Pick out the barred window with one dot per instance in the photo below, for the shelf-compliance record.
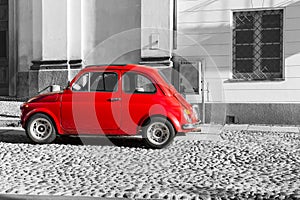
(258, 45)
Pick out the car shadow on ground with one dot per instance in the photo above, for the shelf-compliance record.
(19, 136)
(101, 141)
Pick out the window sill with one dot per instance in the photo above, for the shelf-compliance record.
(253, 80)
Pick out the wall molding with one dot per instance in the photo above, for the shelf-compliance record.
(56, 64)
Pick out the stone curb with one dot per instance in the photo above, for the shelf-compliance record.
(9, 122)
(216, 129)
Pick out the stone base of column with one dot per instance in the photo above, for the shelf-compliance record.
(45, 73)
(157, 62)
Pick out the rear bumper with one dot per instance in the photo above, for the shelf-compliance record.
(192, 127)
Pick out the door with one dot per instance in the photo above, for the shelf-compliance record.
(4, 47)
(139, 99)
(93, 104)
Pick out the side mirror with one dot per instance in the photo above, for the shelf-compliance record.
(68, 85)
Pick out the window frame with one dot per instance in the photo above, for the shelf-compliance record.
(267, 76)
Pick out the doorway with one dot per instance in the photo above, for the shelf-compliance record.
(4, 55)
(188, 79)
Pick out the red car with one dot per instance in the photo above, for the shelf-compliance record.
(111, 100)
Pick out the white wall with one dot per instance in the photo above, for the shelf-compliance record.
(207, 24)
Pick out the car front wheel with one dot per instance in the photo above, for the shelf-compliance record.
(40, 129)
(158, 133)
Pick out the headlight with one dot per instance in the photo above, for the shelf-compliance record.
(24, 105)
(186, 114)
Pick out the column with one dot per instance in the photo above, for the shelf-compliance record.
(56, 43)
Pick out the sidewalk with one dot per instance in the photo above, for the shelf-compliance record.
(9, 121)
(216, 128)
(211, 132)
(212, 129)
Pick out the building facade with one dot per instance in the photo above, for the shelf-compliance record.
(237, 60)
(252, 48)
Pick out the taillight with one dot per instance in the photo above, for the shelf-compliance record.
(187, 114)
(196, 112)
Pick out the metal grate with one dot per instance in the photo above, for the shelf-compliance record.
(258, 44)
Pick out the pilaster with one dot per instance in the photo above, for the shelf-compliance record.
(56, 43)
(156, 29)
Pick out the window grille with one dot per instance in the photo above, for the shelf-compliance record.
(258, 44)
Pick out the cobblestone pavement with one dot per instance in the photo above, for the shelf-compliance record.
(245, 167)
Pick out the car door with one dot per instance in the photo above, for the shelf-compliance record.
(140, 98)
(92, 104)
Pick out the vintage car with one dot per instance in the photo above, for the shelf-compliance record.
(111, 100)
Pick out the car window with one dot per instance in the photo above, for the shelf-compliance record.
(97, 82)
(137, 83)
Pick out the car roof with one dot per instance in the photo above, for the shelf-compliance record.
(128, 67)
(125, 67)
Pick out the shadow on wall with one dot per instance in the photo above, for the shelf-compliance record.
(112, 18)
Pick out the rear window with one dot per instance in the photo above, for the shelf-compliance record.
(137, 83)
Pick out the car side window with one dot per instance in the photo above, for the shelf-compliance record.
(97, 82)
(110, 82)
(137, 83)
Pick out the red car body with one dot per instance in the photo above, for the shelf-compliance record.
(117, 110)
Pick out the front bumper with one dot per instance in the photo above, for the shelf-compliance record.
(192, 127)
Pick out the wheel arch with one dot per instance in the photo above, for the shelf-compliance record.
(174, 122)
(49, 114)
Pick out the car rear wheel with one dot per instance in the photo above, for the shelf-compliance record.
(40, 129)
(158, 133)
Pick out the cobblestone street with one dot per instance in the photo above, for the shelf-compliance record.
(267, 166)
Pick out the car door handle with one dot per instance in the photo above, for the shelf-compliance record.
(114, 99)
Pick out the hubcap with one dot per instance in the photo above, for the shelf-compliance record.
(40, 128)
(158, 133)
